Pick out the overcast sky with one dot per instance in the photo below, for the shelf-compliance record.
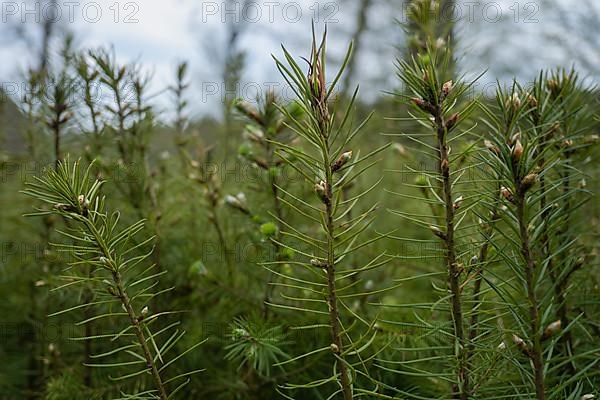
(159, 34)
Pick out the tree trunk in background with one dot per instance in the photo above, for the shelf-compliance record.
(48, 30)
(360, 29)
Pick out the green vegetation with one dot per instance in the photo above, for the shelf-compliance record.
(441, 246)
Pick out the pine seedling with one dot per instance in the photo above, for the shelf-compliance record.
(438, 105)
(59, 111)
(123, 287)
(32, 102)
(523, 157)
(559, 115)
(207, 178)
(114, 77)
(180, 104)
(130, 122)
(328, 164)
(88, 77)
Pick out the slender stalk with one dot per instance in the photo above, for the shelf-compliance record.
(536, 351)
(332, 302)
(121, 293)
(121, 122)
(139, 333)
(57, 152)
(222, 242)
(453, 269)
(476, 294)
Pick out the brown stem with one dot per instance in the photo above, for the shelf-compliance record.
(332, 302)
(121, 293)
(137, 326)
(56, 124)
(476, 294)
(223, 243)
(334, 317)
(453, 269)
(357, 36)
(89, 103)
(536, 351)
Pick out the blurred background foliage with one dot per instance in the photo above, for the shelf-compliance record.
(205, 185)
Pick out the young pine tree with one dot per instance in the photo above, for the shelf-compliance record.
(144, 345)
(320, 283)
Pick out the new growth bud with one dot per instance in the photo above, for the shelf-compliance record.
(248, 110)
(532, 101)
(517, 150)
(451, 122)
(552, 329)
(491, 147)
(521, 345)
(238, 202)
(254, 133)
(507, 194)
(341, 161)
(457, 203)
(438, 232)
(513, 102)
(554, 86)
(423, 105)
(446, 88)
(321, 191)
(445, 166)
(527, 182)
(84, 204)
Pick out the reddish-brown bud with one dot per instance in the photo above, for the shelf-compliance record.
(527, 182)
(422, 104)
(341, 161)
(451, 122)
(445, 166)
(521, 345)
(552, 329)
(517, 150)
(507, 194)
(491, 147)
(446, 88)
